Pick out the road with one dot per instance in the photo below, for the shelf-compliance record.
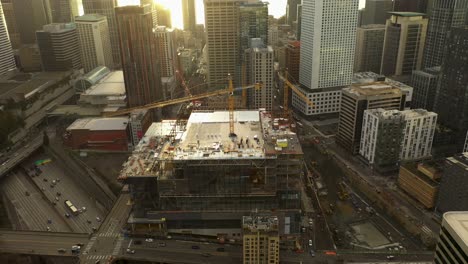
(40, 243)
(18, 155)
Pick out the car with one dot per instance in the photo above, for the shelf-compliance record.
(52, 186)
(137, 242)
(54, 182)
(45, 179)
(83, 209)
(59, 193)
(43, 189)
(80, 244)
(88, 221)
(61, 250)
(310, 242)
(389, 257)
(56, 199)
(67, 215)
(130, 251)
(162, 244)
(54, 203)
(49, 221)
(27, 193)
(97, 262)
(75, 249)
(149, 240)
(312, 253)
(58, 179)
(98, 219)
(48, 229)
(80, 211)
(195, 247)
(206, 255)
(94, 229)
(220, 249)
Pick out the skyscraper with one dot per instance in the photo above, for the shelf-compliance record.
(59, 47)
(452, 91)
(10, 21)
(30, 16)
(222, 39)
(291, 11)
(452, 246)
(93, 33)
(376, 12)
(188, 11)
(106, 8)
(293, 57)
(139, 55)
(419, 6)
(452, 191)
(63, 11)
(405, 35)
(164, 16)
(369, 48)
(445, 14)
(7, 61)
(328, 35)
(167, 50)
(425, 84)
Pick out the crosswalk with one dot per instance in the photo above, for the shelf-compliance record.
(112, 230)
(117, 247)
(89, 245)
(98, 257)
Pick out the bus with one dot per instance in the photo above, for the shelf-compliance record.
(71, 207)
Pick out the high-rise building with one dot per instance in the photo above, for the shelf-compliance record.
(106, 8)
(140, 58)
(452, 191)
(382, 132)
(358, 98)
(291, 11)
(419, 6)
(222, 39)
(164, 16)
(7, 60)
(369, 48)
(260, 237)
(425, 83)
(154, 10)
(253, 23)
(299, 22)
(452, 246)
(451, 101)
(29, 58)
(376, 12)
(188, 11)
(405, 35)
(167, 50)
(391, 136)
(328, 39)
(63, 11)
(93, 32)
(31, 15)
(59, 47)
(260, 59)
(445, 14)
(418, 134)
(10, 21)
(293, 58)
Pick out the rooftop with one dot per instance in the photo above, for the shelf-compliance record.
(260, 223)
(372, 89)
(413, 168)
(458, 221)
(415, 113)
(90, 18)
(407, 14)
(370, 77)
(95, 124)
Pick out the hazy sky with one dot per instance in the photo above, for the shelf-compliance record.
(276, 8)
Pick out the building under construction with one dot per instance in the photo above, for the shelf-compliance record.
(194, 178)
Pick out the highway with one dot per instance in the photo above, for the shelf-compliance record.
(40, 243)
(16, 156)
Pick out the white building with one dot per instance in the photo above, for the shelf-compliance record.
(328, 34)
(261, 60)
(273, 35)
(419, 132)
(165, 38)
(452, 246)
(96, 49)
(7, 61)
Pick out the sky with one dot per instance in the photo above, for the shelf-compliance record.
(277, 8)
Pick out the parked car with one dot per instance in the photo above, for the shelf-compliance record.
(310, 242)
(149, 240)
(130, 251)
(61, 250)
(195, 247)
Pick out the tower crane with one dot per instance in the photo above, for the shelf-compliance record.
(230, 91)
(289, 85)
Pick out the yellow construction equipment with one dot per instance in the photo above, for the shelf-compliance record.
(343, 194)
(289, 85)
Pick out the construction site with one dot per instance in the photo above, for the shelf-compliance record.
(202, 176)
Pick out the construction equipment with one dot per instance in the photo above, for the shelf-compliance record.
(343, 194)
(154, 105)
(289, 85)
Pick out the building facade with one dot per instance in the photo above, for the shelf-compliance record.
(260, 238)
(452, 192)
(167, 50)
(376, 12)
(188, 11)
(7, 60)
(261, 69)
(445, 14)
(31, 15)
(293, 58)
(419, 6)
(452, 246)
(63, 11)
(291, 11)
(106, 8)
(420, 181)
(369, 48)
(10, 20)
(418, 135)
(96, 49)
(451, 101)
(328, 35)
(163, 16)
(425, 83)
(358, 98)
(140, 55)
(405, 35)
(59, 46)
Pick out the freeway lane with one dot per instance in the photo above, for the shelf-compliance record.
(41, 243)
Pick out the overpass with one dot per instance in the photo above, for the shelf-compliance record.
(20, 154)
(39, 243)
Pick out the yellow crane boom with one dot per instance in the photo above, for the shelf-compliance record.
(288, 84)
(181, 100)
